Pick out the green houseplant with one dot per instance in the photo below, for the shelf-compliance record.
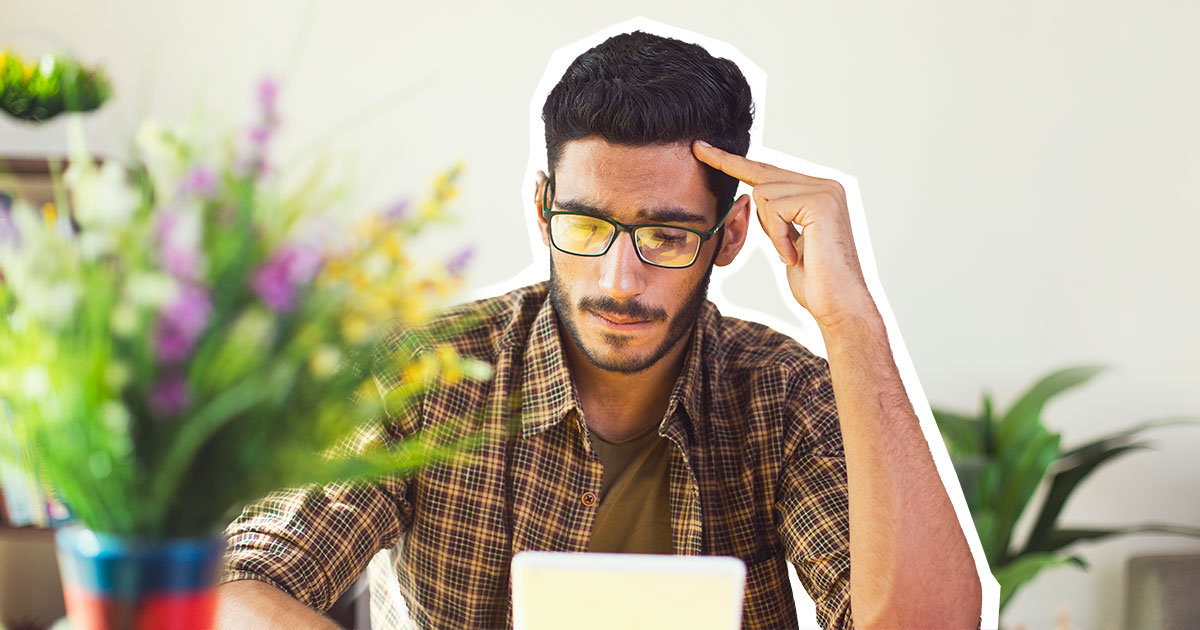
(180, 334)
(1002, 459)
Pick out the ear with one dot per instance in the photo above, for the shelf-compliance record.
(736, 227)
(539, 187)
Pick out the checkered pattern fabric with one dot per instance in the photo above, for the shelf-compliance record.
(758, 472)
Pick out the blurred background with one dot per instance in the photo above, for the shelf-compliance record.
(1028, 171)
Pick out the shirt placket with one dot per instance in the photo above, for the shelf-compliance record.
(589, 484)
(686, 519)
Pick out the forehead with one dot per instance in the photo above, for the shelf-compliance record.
(626, 178)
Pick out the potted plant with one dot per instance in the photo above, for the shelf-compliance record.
(1002, 459)
(180, 335)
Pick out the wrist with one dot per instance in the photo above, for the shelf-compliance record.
(853, 325)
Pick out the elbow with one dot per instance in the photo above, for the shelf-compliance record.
(948, 604)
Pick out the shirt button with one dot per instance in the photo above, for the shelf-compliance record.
(589, 499)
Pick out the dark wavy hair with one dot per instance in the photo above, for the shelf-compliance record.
(638, 89)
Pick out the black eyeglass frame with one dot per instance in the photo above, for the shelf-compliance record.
(548, 215)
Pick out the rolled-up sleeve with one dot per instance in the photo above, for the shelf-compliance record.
(314, 542)
(812, 501)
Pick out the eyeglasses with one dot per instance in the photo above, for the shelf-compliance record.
(669, 246)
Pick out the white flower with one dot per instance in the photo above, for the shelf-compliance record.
(103, 199)
(151, 289)
(324, 360)
(42, 270)
(96, 243)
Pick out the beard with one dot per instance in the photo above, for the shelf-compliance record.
(677, 327)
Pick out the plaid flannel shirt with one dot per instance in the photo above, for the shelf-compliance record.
(758, 472)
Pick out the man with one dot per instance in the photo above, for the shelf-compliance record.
(649, 422)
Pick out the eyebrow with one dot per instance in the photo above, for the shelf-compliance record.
(658, 214)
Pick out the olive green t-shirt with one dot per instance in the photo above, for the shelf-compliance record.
(634, 513)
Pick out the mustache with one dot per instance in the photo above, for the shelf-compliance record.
(634, 310)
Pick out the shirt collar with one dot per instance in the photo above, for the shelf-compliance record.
(699, 367)
(548, 394)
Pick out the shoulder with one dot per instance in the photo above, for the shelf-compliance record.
(746, 347)
(780, 381)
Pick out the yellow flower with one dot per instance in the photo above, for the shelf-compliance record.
(367, 390)
(430, 209)
(355, 328)
(451, 370)
(421, 370)
(374, 305)
(394, 246)
(369, 227)
(49, 213)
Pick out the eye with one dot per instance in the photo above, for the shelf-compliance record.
(657, 238)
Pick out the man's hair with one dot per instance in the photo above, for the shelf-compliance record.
(640, 89)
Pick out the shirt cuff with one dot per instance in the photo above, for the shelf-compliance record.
(280, 561)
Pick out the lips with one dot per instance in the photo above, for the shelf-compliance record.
(618, 322)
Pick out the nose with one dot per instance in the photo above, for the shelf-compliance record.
(621, 270)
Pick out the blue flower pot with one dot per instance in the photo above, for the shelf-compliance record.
(111, 582)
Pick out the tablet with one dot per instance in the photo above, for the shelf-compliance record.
(582, 591)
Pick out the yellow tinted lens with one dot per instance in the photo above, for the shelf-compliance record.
(666, 246)
(580, 234)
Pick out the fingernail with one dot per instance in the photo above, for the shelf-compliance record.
(705, 144)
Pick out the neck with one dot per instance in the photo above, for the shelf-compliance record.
(619, 406)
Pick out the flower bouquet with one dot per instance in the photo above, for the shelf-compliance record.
(180, 335)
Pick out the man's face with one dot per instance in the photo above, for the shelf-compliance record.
(622, 314)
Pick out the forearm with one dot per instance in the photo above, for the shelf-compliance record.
(254, 604)
(910, 563)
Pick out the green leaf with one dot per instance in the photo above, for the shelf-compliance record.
(1075, 466)
(985, 521)
(193, 434)
(1017, 573)
(1021, 473)
(1061, 538)
(962, 435)
(1061, 487)
(1088, 451)
(1020, 421)
(989, 426)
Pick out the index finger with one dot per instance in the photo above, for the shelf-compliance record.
(749, 171)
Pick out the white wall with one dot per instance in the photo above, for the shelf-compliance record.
(1029, 171)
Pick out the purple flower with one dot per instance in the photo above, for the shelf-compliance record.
(458, 263)
(180, 324)
(201, 181)
(276, 281)
(170, 395)
(268, 92)
(259, 134)
(8, 229)
(397, 211)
